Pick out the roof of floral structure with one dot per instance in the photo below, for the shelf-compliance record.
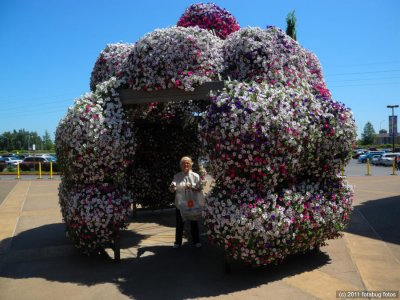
(112, 61)
(211, 17)
(270, 55)
(175, 57)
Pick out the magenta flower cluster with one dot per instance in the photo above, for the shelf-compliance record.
(275, 152)
(110, 63)
(211, 17)
(269, 55)
(94, 214)
(175, 57)
(94, 144)
(262, 227)
(275, 135)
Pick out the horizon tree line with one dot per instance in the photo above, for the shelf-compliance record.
(24, 140)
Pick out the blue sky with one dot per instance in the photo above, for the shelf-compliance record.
(48, 49)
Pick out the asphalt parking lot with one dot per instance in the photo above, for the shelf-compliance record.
(354, 168)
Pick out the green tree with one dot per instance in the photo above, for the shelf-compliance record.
(291, 25)
(20, 140)
(47, 142)
(368, 135)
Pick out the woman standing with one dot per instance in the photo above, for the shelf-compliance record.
(185, 180)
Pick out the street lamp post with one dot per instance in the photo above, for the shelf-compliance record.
(392, 107)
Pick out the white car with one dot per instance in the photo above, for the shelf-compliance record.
(387, 159)
(12, 161)
(375, 159)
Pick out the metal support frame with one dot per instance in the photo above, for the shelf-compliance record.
(202, 92)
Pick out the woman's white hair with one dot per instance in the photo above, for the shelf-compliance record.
(186, 158)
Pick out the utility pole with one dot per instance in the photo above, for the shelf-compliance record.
(392, 107)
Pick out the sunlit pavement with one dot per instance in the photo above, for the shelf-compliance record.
(354, 168)
(38, 262)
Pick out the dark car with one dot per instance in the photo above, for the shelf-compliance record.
(3, 164)
(357, 153)
(32, 163)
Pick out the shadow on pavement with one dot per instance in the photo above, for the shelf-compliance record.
(382, 215)
(157, 272)
(51, 235)
(163, 217)
(168, 273)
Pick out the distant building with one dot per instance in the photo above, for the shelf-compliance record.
(383, 137)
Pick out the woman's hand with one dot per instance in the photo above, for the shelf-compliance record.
(172, 187)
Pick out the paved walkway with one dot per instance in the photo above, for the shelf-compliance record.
(38, 262)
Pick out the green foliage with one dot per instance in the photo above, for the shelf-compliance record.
(10, 169)
(47, 142)
(23, 140)
(291, 25)
(377, 146)
(368, 135)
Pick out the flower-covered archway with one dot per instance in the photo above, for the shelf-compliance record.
(274, 137)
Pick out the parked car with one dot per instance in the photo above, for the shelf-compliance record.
(32, 163)
(3, 164)
(363, 158)
(375, 159)
(51, 158)
(12, 161)
(387, 159)
(9, 155)
(21, 157)
(357, 153)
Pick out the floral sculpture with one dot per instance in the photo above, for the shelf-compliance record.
(211, 17)
(274, 136)
(94, 144)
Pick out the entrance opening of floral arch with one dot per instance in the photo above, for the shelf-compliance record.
(274, 136)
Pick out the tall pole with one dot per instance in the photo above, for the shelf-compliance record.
(392, 107)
